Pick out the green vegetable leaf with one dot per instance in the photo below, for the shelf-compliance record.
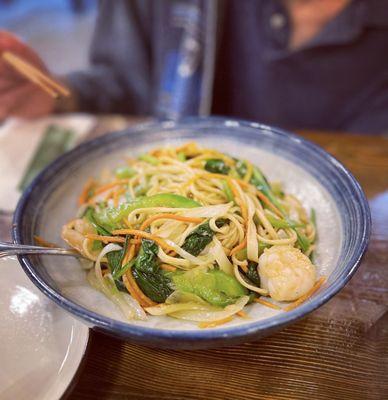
(115, 259)
(313, 217)
(199, 238)
(277, 189)
(227, 191)
(181, 156)
(112, 216)
(217, 166)
(215, 286)
(241, 168)
(154, 282)
(149, 159)
(252, 273)
(260, 182)
(283, 224)
(303, 242)
(120, 285)
(146, 260)
(123, 269)
(96, 245)
(124, 172)
(90, 215)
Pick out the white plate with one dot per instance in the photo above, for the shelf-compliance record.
(41, 346)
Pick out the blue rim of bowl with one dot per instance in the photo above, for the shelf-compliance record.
(251, 328)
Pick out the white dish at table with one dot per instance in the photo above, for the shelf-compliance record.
(41, 346)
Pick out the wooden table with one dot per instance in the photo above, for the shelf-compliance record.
(338, 352)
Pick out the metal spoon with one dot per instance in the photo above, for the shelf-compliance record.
(11, 249)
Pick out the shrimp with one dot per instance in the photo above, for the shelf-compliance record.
(286, 272)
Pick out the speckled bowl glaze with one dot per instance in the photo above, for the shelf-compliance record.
(306, 171)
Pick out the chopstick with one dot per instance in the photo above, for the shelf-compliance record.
(50, 86)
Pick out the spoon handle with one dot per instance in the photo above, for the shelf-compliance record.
(11, 249)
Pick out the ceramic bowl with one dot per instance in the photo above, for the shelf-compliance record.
(307, 171)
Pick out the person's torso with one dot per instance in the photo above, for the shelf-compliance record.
(320, 85)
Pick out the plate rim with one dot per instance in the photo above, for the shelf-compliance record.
(248, 329)
(81, 361)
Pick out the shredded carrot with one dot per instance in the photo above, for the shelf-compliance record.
(150, 220)
(129, 254)
(106, 187)
(106, 239)
(116, 196)
(130, 161)
(42, 242)
(306, 296)
(167, 267)
(266, 303)
(239, 247)
(145, 235)
(244, 268)
(126, 222)
(242, 314)
(145, 299)
(135, 291)
(213, 324)
(248, 175)
(83, 198)
(226, 251)
(110, 239)
(155, 152)
(268, 203)
(109, 195)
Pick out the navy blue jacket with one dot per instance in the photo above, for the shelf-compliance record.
(171, 58)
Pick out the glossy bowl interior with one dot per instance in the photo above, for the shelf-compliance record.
(306, 171)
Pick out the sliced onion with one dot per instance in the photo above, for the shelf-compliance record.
(105, 284)
(151, 210)
(86, 244)
(81, 210)
(184, 297)
(246, 284)
(173, 230)
(208, 211)
(213, 314)
(221, 258)
(164, 309)
(200, 260)
(176, 262)
(107, 249)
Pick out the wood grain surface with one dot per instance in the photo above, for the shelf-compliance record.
(338, 352)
